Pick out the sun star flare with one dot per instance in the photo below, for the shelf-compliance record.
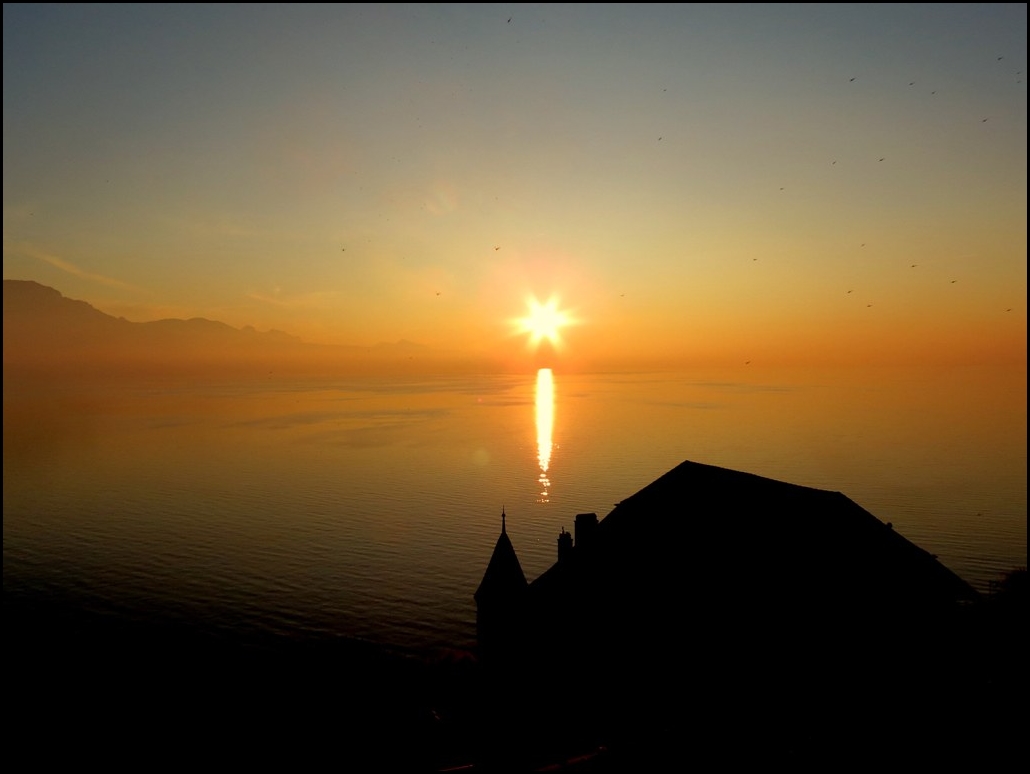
(544, 322)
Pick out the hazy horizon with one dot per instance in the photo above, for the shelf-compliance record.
(657, 184)
(47, 332)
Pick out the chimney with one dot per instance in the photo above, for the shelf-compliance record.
(564, 545)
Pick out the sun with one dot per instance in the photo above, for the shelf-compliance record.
(544, 322)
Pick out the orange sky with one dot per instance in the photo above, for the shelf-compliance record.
(771, 183)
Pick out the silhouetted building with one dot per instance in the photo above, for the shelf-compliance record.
(717, 591)
(500, 601)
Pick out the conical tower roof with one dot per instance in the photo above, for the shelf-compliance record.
(503, 576)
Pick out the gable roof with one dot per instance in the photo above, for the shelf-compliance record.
(701, 529)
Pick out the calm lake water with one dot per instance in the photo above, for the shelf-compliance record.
(369, 508)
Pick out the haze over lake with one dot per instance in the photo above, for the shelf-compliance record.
(368, 507)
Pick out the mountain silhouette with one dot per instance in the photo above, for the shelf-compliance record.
(44, 330)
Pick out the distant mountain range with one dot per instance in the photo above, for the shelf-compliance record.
(45, 330)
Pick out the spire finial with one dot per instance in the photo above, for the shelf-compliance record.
(502, 518)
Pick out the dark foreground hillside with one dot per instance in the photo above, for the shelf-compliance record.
(87, 690)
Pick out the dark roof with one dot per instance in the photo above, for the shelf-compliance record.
(504, 574)
(701, 530)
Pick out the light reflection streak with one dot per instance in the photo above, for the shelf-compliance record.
(544, 428)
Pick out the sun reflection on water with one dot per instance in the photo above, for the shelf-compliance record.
(544, 428)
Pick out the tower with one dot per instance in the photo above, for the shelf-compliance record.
(500, 600)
